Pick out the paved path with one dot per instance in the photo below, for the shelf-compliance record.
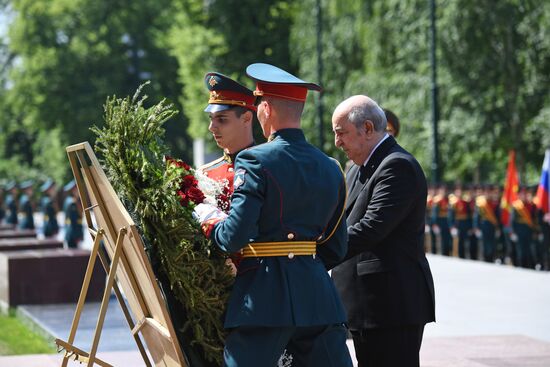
(488, 316)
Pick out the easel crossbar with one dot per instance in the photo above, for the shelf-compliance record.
(78, 354)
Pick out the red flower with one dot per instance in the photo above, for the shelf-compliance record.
(195, 195)
(184, 200)
(188, 190)
(188, 181)
(176, 162)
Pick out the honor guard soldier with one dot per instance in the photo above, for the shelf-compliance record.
(231, 110)
(470, 198)
(11, 203)
(74, 232)
(460, 219)
(26, 207)
(440, 219)
(544, 220)
(430, 234)
(486, 214)
(523, 227)
(48, 207)
(287, 219)
(538, 237)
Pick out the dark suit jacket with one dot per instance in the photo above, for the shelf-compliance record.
(386, 279)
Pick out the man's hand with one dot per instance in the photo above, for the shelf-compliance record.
(230, 263)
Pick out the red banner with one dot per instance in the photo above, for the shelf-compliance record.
(511, 186)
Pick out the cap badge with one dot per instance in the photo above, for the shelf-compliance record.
(212, 81)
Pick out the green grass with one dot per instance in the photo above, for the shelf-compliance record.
(18, 338)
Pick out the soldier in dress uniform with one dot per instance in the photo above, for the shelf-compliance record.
(440, 219)
(470, 197)
(523, 226)
(231, 110)
(460, 219)
(74, 233)
(538, 237)
(287, 219)
(26, 205)
(429, 230)
(11, 203)
(545, 229)
(49, 208)
(486, 220)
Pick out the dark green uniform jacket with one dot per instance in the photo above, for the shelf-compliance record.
(285, 190)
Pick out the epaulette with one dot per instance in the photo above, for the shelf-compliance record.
(518, 204)
(481, 200)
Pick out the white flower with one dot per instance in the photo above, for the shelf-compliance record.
(209, 187)
(285, 360)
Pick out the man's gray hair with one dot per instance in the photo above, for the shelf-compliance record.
(368, 111)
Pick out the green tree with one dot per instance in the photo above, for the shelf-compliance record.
(72, 54)
(497, 55)
(377, 48)
(226, 36)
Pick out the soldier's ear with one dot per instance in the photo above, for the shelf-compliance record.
(248, 116)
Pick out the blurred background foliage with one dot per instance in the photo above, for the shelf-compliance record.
(60, 59)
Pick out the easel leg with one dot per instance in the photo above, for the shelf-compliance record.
(127, 315)
(106, 294)
(83, 292)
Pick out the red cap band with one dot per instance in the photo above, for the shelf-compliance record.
(233, 98)
(286, 91)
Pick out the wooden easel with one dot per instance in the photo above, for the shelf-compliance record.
(126, 265)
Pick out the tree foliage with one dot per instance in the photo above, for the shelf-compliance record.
(70, 55)
(493, 63)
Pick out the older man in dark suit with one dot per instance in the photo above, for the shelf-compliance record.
(385, 282)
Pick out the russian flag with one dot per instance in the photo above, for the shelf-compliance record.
(542, 199)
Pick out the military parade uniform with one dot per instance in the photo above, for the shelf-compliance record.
(431, 234)
(286, 219)
(74, 233)
(460, 217)
(50, 226)
(486, 216)
(523, 225)
(225, 93)
(473, 241)
(11, 205)
(440, 217)
(26, 208)
(544, 220)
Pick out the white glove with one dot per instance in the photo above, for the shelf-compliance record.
(204, 212)
(478, 233)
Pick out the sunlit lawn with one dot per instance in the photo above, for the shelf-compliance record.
(17, 338)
